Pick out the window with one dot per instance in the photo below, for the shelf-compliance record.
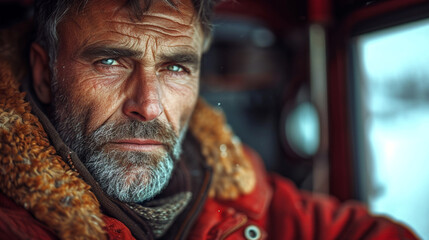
(391, 89)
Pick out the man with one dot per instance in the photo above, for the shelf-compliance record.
(111, 140)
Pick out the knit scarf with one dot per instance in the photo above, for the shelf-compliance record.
(161, 213)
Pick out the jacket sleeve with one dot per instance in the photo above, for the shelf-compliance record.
(280, 211)
(301, 215)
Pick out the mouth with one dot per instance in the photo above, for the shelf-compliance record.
(142, 145)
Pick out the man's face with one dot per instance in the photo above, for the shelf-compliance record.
(124, 90)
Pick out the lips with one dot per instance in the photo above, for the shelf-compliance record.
(136, 144)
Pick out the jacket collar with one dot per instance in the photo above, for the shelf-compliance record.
(35, 176)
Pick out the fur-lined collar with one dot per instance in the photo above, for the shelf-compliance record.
(37, 178)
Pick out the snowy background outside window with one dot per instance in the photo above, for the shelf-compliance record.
(392, 77)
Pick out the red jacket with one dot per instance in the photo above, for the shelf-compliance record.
(275, 209)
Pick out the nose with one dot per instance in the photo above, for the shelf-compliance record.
(143, 102)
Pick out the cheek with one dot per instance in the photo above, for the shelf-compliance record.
(88, 97)
(179, 103)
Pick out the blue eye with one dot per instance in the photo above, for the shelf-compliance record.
(109, 61)
(174, 68)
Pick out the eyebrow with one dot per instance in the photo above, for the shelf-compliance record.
(92, 52)
(188, 58)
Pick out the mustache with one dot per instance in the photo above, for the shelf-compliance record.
(154, 129)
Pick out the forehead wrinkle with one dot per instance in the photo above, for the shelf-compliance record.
(171, 17)
(168, 31)
(136, 37)
(139, 37)
(154, 29)
(192, 25)
(157, 18)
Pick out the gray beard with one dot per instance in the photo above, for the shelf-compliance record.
(130, 176)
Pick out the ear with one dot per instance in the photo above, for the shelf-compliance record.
(39, 61)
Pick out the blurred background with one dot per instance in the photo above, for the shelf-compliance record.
(333, 94)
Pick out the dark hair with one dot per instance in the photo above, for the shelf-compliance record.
(49, 13)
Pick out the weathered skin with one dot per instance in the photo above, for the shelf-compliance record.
(114, 67)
